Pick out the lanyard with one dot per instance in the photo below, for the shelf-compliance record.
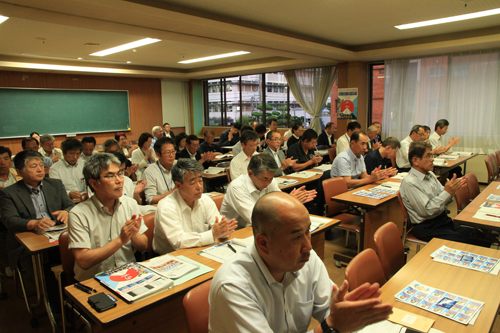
(163, 175)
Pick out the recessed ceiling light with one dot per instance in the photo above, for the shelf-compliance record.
(449, 19)
(225, 55)
(79, 58)
(124, 47)
(3, 18)
(128, 62)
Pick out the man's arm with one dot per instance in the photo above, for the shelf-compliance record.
(420, 202)
(376, 175)
(223, 139)
(151, 189)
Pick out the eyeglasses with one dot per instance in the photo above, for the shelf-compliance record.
(168, 152)
(276, 139)
(114, 176)
(429, 156)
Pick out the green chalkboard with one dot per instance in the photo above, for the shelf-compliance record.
(62, 111)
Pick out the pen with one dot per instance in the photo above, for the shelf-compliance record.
(232, 248)
(385, 186)
(80, 286)
(493, 215)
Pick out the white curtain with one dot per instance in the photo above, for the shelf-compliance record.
(462, 88)
(311, 87)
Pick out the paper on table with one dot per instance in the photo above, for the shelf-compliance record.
(218, 157)
(214, 170)
(285, 181)
(484, 216)
(221, 252)
(305, 174)
(243, 241)
(388, 327)
(461, 153)
(200, 271)
(493, 197)
(439, 162)
(324, 167)
(317, 222)
(400, 175)
(448, 157)
(411, 320)
(322, 152)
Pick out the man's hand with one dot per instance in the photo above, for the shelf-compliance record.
(42, 224)
(55, 158)
(391, 172)
(61, 215)
(453, 184)
(358, 309)
(230, 135)
(376, 145)
(223, 228)
(287, 162)
(285, 138)
(302, 195)
(128, 230)
(453, 141)
(141, 185)
(439, 150)
(316, 159)
(131, 169)
(75, 195)
(377, 174)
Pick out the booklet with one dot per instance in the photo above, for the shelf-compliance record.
(324, 167)
(222, 251)
(372, 195)
(400, 175)
(387, 187)
(214, 170)
(170, 266)
(461, 153)
(493, 197)
(455, 307)
(466, 259)
(285, 181)
(133, 281)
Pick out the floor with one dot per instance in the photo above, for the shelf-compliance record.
(14, 316)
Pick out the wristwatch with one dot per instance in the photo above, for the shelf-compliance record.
(326, 328)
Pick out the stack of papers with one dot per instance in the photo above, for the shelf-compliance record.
(462, 153)
(218, 157)
(400, 175)
(488, 211)
(439, 161)
(214, 170)
(448, 157)
(224, 251)
(387, 187)
(466, 259)
(286, 181)
(455, 307)
(305, 174)
(372, 195)
(324, 167)
(317, 222)
(54, 232)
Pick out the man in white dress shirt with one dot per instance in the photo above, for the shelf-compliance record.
(240, 162)
(159, 174)
(435, 139)
(70, 169)
(105, 230)
(89, 144)
(244, 191)
(47, 148)
(278, 283)
(343, 143)
(187, 218)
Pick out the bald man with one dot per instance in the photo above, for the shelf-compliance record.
(279, 282)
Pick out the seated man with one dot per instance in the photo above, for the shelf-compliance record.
(70, 169)
(383, 156)
(417, 133)
(273, 125)
(273, 150)
(167, 132)
(35, 202)
(303, 151)
(208, 145)
(8, 176)
(243, 192)
(326, 137)
(230, 136)
(379, 127)
(191, 151)
(159, 175)
(350, 164)
(279, 282)
(89, 144)
(130, 189)
(47, 149)
(425, 200)
(436, 142)
(31, 143)
(237, 147)
(157, 132)
(105, 230)
(187, 218)
(343, 141)
(239, 163)
(372, 134)
(427, 131)
(260, 129)
(110, 145)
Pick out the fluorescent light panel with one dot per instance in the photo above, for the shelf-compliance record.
(449, 19)
(225, 55)
(124, 47)
(3, 18)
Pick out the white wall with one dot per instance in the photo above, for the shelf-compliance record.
(175, 103)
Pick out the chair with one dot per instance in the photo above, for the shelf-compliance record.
(390, 249)
(196, 308)
(462, 198)
(228, 174)
(407, 234)
(322, 147)
(218, 200)
(495, 165)
(365, 267)
(333, 153)
(489, 168)
(149, 221)
(472, 185)
(348, 222)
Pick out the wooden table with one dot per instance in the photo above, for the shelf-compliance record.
(466, 216)
(374, 213)
(451, 164)
(165, 309)
(37, 245)
(468, 283)
(311, 182)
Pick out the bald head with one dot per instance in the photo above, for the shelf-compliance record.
(274, 208)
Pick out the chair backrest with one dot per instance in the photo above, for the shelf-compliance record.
(403, 208)
(149, 221)
(67, 258)
(364, 267)
(497, 154)
(331, 188)
(472, 185)
(228, 175)
(322, 147)
(489, 167)
(218, 200)
(333, 153)
(462, 198)
(495, 165)
(390, 249)
(196, 308)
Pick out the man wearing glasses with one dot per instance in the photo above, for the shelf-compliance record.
(273, 149)
(425, 200)
(158, 175)
(70, 169)
(239, 164)
(106, 230)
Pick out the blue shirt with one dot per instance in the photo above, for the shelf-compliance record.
(347, 164)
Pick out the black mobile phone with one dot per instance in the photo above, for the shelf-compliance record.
(100, 302)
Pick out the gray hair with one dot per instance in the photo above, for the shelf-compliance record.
(23, 157)
(185, 165)
(156, 129)
(109, 143)
(372, 128)
(96, 163)
(46, 137)
(261, 163)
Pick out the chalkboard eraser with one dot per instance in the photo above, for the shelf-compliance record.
(70, 135)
